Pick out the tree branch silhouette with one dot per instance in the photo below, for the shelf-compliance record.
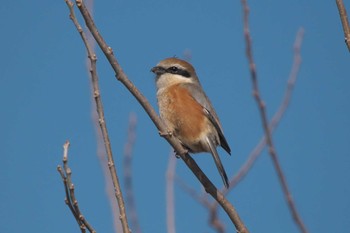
(264, 121)
(277, 116)
(101, 120)
(101, 151)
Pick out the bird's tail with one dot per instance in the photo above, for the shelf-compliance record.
(218, 162)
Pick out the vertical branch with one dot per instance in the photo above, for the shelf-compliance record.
(130, 200)
(277, 116)
(170, 200)
(102, 122)
(344, 21)
(101, 151)
(263, 115)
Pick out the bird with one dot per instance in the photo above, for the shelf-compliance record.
(187, 112)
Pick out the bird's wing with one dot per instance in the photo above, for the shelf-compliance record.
(209, 111)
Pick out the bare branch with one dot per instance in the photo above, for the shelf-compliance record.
(344, 21)
(276, 118)
(70, 199)
(130, 200)
(209, 186)
(263, 115)
(102, 122)
(101, 151)
(170, 200)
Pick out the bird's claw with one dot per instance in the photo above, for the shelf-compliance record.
(165, 134)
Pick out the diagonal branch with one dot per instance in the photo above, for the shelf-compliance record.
(263, 115)
(344, 21)
(209, 186)
(102, 122)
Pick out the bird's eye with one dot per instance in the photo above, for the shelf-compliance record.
(173, 69)
(179, 71)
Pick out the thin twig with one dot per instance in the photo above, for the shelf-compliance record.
(277, 116)
(263, 115)
(130, 200)
(102, 122)
(70, 199)
(209, 186)
(101, 151)
(170, 200)
(344, 21)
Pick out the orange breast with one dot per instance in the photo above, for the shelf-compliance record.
(183, 115)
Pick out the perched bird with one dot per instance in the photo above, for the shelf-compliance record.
(187, 111)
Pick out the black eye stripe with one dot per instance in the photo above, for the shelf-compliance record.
(179, 71)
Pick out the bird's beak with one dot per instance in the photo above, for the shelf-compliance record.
(158, 70)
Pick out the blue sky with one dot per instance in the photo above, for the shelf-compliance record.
(45, 98)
